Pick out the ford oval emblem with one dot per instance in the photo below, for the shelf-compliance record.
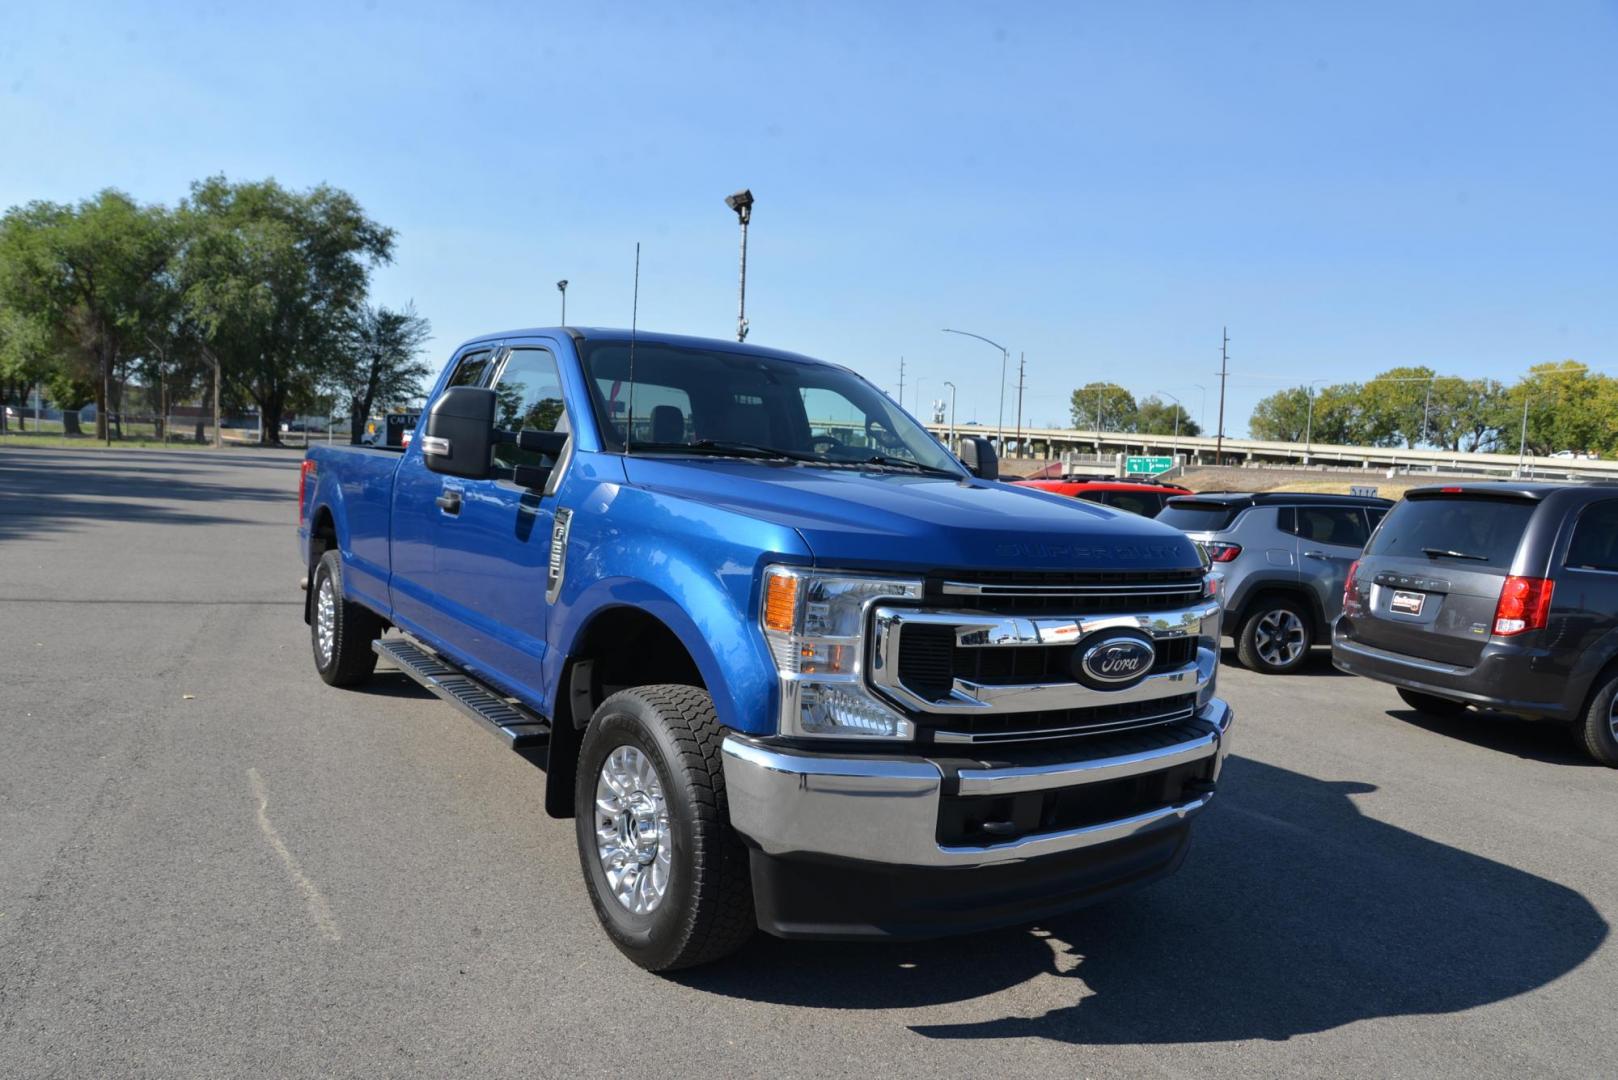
(1125, 658)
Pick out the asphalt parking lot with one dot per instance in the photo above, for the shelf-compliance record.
(213, 864)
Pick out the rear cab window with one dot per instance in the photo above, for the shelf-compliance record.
(1471, 529)
(1194, 516)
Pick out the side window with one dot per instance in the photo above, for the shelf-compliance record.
(1595, 538)
(527, 396)
(1130, 501)
(471, 369)
(1286, 520)
(1093, 496)
(1343, 526)
(1374, 515)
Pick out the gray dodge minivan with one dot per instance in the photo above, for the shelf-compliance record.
(1502, 595)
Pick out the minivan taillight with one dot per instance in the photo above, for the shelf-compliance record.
(1221, 552)
(304, 474)
(1351, 590)
(1525, 604)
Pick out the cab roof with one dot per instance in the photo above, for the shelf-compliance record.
(581, 334)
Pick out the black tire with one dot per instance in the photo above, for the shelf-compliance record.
(349, 660)
(706, 908)
(1431, 704)
(1597, 732)
(1276, 637)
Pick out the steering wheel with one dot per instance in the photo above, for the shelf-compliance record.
(829, 442)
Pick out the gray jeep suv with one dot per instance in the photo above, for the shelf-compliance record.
(1280, 561)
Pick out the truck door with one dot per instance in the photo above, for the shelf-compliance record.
(1330, 538)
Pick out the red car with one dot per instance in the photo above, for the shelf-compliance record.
(1143, 497)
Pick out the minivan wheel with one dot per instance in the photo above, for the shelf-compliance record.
(1431, 704)
(1599, 731)
(1275, 639)
(668, 877)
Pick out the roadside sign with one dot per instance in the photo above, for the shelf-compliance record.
(1363, 489)
(398, 424)
(1149, 465)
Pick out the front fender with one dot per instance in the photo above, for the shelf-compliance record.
(693, 566)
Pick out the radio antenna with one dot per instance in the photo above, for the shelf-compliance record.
(634, 320)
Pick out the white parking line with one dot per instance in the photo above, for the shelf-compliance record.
(319, 910)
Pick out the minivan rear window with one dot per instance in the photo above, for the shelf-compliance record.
(1481, 531)
(1189, 516)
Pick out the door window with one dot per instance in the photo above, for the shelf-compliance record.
(1143, 503)
(1342, 526)
(527, 397)
(1595, 538)
(471, 369)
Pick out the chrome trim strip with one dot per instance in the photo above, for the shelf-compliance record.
(434, 446)
(1109, 727)
(970, 588)
(1044, 777)
(1029, 847)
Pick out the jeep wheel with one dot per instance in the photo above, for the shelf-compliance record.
(1432, 705)
(668, 877)
(1598, 733)
(1275, 639)
(340, 631)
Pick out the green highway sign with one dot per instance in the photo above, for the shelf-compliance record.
(1149, 465)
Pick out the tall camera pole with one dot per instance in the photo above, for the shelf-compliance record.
(742, 203)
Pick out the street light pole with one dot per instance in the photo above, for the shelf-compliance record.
(561, 287)
(1178, 409)
(742, 203)
(1022, 360)
(951, 412)
(1522, 440)
(1005, 357)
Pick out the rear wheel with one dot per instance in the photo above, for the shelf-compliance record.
(1599, 732)
(668, 877)
(1431, 704)
(340, 630)
(1276, 637)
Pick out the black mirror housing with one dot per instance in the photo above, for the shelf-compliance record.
(459, 440)
(979, 457)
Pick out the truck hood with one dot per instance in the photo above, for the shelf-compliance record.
(859, 518)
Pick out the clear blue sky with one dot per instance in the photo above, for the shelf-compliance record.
(1101, 186)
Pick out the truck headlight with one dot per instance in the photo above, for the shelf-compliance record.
(814, 623)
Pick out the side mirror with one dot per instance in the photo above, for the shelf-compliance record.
(459, 439)
(977, 454)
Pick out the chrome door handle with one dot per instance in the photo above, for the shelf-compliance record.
(1316, 555)
(449, 502)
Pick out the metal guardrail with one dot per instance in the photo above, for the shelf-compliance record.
(1250, 450)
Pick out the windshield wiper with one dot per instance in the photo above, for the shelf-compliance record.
(901, 463)
(1445, 553)
(722, 448)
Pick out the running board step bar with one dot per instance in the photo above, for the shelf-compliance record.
(517, 727)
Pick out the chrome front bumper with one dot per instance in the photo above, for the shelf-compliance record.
(886, 809)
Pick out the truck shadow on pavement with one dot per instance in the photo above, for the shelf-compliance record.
(1294, 913)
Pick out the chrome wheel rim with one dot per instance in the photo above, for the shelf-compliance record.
(1612, 718)
(1279, 638)
(632, 830)
(325, 620)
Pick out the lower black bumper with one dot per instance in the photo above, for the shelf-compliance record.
(805, 896)
(1506, 678)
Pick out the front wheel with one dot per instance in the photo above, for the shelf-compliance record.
(667, 876)
(1275, 639)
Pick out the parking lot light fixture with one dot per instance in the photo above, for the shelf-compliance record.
(1005, 357)
(561, 287)
(742, 203)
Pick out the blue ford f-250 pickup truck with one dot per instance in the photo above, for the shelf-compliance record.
(793, 665)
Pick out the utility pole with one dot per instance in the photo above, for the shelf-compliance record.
(1021, 362)
(901, 382)
(1224, 360)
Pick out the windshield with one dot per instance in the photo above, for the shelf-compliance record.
(1197, 516)
(696, 400)
(1472, 530)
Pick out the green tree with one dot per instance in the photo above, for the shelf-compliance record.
(82, 272)
(1104, 406)
(1282, 416)
(1468, 415)
(1336, 415)
(26, 360)
(1394, 406)
(380, 361)
(1567, 408)
(1153, 416)
(275, 279)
